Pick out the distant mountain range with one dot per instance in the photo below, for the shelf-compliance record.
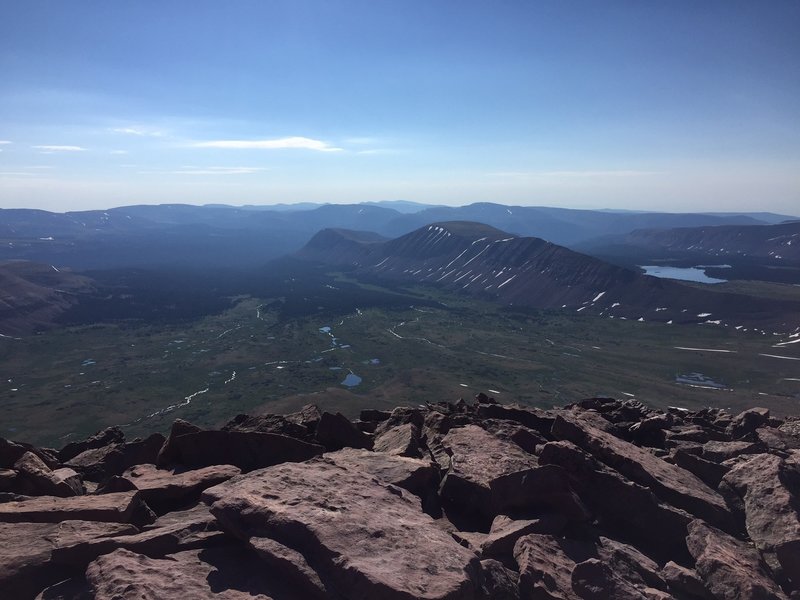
(226, 236)
(759, 252)
(480, 261)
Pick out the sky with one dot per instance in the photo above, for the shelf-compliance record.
(647, 105)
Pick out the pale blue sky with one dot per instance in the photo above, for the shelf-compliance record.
(678, 105)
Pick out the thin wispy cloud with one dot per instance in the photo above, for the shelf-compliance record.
(295, 142)
(589, 174)
(138, 131)
(4, 142)
(208, 171)
(48, 149)
(116, 152)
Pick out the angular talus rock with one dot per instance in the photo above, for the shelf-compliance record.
(194, 447)
(770, 508)
(669, 482)
(477, 459)
(123, 507)
(730, 569)
(367, 537)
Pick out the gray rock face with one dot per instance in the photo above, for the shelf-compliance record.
(367, 537)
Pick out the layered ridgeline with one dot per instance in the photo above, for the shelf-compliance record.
(779, 242)
(602, 499)
(480, 261)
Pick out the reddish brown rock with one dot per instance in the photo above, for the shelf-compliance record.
(721, 451)
(669, 482)
(335, 431)
(230, 573)
(477, 459)
(402, 440)
(193, 447)
(622, 506)
(163, 488)
(106, 437)
(35, 478)
(730, 569)
(98, 464)
(420, 477)
(747, 422)
(546, 564)
(506, 531)
(709, 472)
(497, 582)
(174, 532)
(26, 550)
(367, 537)
(684, 581)
(524, 437)
(593, 579)
(543, 489)
(123, 507)
(534, 418)
(771, 516)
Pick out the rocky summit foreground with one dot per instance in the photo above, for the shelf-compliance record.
(600, 500)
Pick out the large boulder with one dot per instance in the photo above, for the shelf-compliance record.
(193, 447)
(35, 478)
(729, 568)
(165, 489)
(26, 551)
(106, 437)
(100, 463)
(674, 485)
(477, 459)
(174, 532)
(418, 476)
(335, 431)
(368, 538)
(545, 566)
(228, 572)
(770, 508)
(629, 510)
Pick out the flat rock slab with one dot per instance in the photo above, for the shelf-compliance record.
(730, 569)
(226, 573)
(163, 486)
(477, 459)
(174, 532)
(669, 482)
(416, 475)
(369, 538)
(26, 550)
(112, 508)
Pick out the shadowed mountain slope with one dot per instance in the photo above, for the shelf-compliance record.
(481, 261)
(32, 295)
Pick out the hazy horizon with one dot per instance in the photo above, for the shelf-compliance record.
(672, 107)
